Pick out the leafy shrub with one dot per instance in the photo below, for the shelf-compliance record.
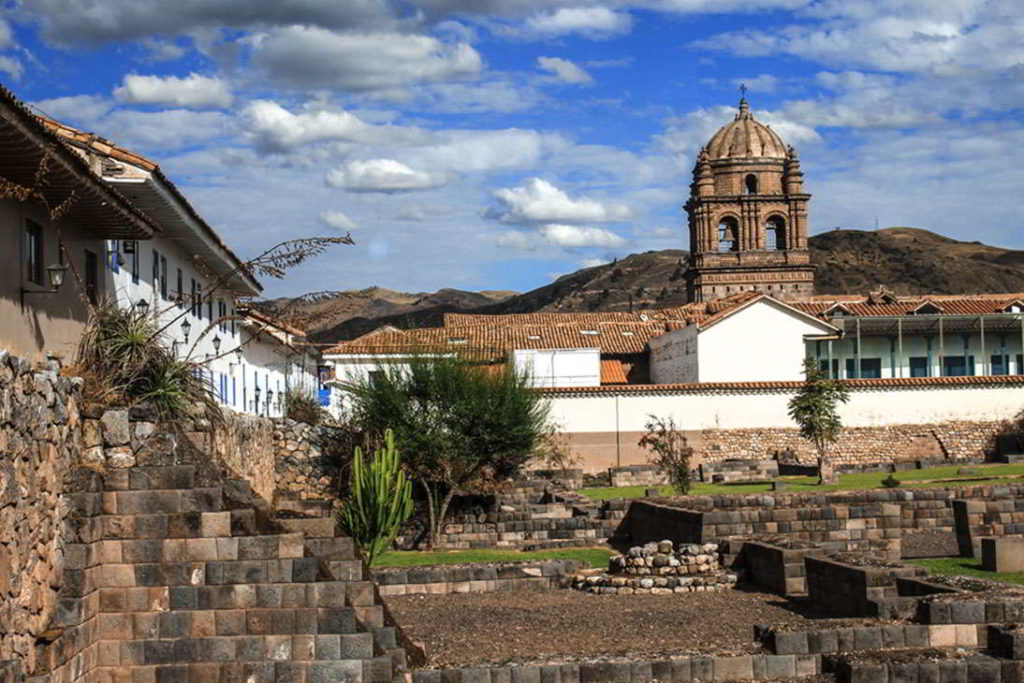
(671, 451)
(890, 482)
(124, 361)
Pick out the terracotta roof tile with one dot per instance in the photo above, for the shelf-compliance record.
(493, 341)
(949, 304)
(73, 137)
(613, 372)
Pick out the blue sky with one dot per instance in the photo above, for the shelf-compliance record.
(495, 144)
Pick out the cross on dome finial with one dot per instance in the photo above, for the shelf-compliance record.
(744, 108)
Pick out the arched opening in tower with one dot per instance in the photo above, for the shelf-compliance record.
(728, 235)
(775, 234)
(750, 183)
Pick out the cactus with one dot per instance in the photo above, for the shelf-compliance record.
(379, 500)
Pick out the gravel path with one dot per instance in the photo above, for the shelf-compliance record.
(464, 629)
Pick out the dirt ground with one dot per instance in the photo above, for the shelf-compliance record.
(464, 629)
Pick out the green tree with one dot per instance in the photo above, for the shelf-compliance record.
(461, 426)
(379, 500)
(671, 451)
(815, 409)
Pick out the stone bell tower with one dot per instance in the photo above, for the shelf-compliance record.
(747, 215)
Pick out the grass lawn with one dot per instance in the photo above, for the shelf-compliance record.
(967, 566)
(989, 474)
(597, 557)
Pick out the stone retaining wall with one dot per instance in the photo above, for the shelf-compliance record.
(847, 589)
(40, 440)
(975, 519)
(638, 475)
(848, 520)
(738, 470)
(757, 667)
(951, 441)
(496, 578)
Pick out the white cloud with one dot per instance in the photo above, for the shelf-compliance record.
(275, 129)
(79, 108)
(12, 66)
(476, 97)
(592, 262)
(761, 83)
(312, 57)
(381, 175)
(593, 22)
(486, 151)
(337, 220)
(193, 91)
(6, 35)
(563, 235)
(909, 36)
(162, 50)
(515, 239)
(123, 20)
(538, 201)
(564, 70)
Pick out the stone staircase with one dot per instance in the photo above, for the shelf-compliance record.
(179, 576)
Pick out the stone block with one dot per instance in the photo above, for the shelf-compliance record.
(1002, 554)
(733, 668)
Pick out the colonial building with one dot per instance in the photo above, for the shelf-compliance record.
(747, 215)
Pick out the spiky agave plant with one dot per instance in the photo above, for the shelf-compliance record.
(379, 500)
(124, 360)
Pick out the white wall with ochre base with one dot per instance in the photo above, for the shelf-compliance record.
(758, 409)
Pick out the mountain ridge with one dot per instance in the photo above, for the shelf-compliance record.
(906, 260)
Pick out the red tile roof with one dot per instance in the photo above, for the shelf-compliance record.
(613, 372)
(73, 137)
(493, 341)
(948, 304)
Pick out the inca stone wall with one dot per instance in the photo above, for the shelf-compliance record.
(308, 458)
(857, 445)
(40, 439)
(247, 445)
(282, 455)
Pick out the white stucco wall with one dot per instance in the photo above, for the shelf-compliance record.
(763, 342)
(706, 409)
(560, 367)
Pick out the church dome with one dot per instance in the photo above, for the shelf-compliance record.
(745, 138)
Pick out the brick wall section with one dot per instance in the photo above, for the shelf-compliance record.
(944, 440)
(40, 438)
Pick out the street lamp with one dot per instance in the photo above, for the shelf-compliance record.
(257, 392)
(186, 327)
(216, 345)
(142, 306)
(238, 355)
(55, 275)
